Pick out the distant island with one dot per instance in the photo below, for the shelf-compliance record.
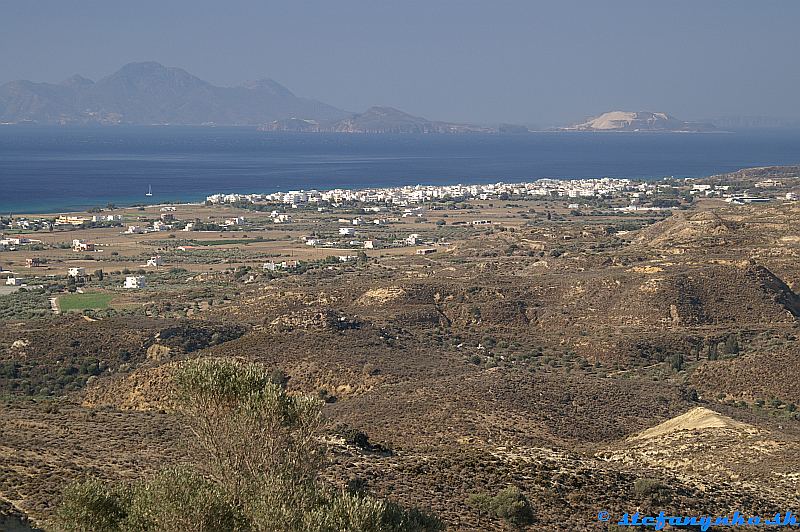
(149, 93)
(378, 120)
(639, 121)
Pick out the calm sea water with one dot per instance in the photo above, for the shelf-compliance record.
(47, 169)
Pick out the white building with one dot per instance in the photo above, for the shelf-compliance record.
(285, 265)
(76, 272)
(369, 244)
(347, 231)
(14, 281)
(134, 281)
(82, 245)
(155, 261)
(72, 220)
(17, 241)
(239, 220)
(413, 239)
(107, 218)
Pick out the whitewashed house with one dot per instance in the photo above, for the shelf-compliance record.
(413, 239)
(239, 220)
(134, 281)
(82, 245)
(76, 272)
(285, 265)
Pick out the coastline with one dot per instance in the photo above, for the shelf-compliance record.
(70, 169)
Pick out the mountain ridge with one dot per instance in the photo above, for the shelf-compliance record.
(151, 93)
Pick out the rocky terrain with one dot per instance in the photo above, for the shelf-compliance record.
(594, 368)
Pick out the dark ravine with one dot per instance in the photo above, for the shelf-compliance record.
(13, 520)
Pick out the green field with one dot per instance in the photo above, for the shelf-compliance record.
(94, 300)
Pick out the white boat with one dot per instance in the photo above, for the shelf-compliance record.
(149, 190)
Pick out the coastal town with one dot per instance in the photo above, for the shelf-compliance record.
(603, 188)
(131, 249)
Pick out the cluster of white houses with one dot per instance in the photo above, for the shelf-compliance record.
(79, 274)
(408, 195)
(606, 187)
(414, 239)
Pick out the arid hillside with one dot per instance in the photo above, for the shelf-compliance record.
(593, 365)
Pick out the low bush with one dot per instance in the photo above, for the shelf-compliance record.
(258, 457)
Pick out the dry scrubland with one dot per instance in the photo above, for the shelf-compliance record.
(594, 362)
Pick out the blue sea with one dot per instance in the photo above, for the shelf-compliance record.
(57, 169)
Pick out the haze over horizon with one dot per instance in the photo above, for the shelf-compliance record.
(548, 63)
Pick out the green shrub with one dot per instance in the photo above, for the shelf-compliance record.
(512, 506)
(652, 489)
(257, 470)
(180, 499)
(509, 504)
(731, 345)
(92, 506)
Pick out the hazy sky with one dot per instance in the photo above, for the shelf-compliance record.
(533, 62)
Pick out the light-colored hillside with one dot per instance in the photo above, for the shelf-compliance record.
(697, 419)
(637, 121)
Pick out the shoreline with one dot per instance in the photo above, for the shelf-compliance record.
(71, 170)
(385, 190)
